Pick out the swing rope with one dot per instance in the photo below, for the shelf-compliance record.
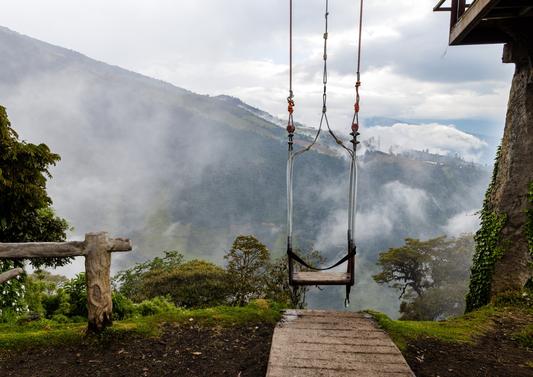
(324, 119)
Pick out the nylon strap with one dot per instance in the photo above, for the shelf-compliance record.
(297, 258)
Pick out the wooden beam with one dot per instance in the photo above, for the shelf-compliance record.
(42, 249)
(321, 278)
(461, 8)
(58, 249)
(118, 244)
(97, 249)
(453, 14)
(8, 275)
(470, 19)
(439, 8)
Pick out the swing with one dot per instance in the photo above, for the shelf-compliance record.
(319, 276)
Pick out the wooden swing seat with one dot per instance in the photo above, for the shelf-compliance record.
(321, 278)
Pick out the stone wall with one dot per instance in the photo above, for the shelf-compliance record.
(515, 172)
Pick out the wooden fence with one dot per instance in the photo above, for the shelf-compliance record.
(96, 249)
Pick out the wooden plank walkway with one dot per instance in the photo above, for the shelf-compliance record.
(317, 343)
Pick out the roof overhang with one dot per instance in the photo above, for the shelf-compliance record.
(484, 21)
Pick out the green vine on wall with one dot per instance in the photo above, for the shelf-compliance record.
(489, 249)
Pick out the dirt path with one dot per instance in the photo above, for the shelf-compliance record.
(186, 351)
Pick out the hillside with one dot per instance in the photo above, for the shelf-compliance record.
(172, 169)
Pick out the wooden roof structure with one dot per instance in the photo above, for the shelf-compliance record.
(486, 21)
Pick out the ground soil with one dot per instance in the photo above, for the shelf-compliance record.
(495, 354)
(190, 351)
(186, 351)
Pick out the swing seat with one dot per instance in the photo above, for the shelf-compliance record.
(321, 278)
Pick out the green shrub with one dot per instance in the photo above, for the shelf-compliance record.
(521, 299)
(8, 315)
(195, 283)
(525, 336)
(130, 282)
(60, 318)
(12, 292)
(123, 307)
(77, 293)
(58, 303)
(78, 319)
(156, 305)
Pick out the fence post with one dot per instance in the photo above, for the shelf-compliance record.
(98, 280)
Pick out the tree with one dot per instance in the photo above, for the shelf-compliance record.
(194, 284)
(25, 207)
(131, 282)
(39, 287)
(247, 263)
(432, 275)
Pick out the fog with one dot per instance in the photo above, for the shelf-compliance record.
(174, 170)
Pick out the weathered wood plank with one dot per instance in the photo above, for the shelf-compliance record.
(340, 334)
(42, 249)
(282, 371)
(344, 359)
(323, 313)
(354, 348)
(333, 344)
(320, 278)
(97, 249)
(118, 244)
(469, 19)
(58, 249)
(8, 275)
(357, 367)
(350, 341)
(321, 325)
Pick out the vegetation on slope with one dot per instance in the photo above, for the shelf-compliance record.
(51, 333)
(495, 340)
(460, 329)
(431, 276)
(489, 249)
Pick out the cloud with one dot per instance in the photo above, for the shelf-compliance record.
(464, 222)
(241, 48)
(436, 138)
(394, 203)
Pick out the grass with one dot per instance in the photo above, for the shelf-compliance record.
(49, 333)
(466, 328)
(461, 329)
(525, 337)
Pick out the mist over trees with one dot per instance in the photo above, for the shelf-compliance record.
(174, 170)
(431, 276)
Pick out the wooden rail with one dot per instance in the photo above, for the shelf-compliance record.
(96, 249)
(8, 275)
(457, 9)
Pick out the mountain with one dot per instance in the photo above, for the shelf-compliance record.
(172, 169)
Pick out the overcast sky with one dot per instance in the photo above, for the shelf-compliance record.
(239, 47)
